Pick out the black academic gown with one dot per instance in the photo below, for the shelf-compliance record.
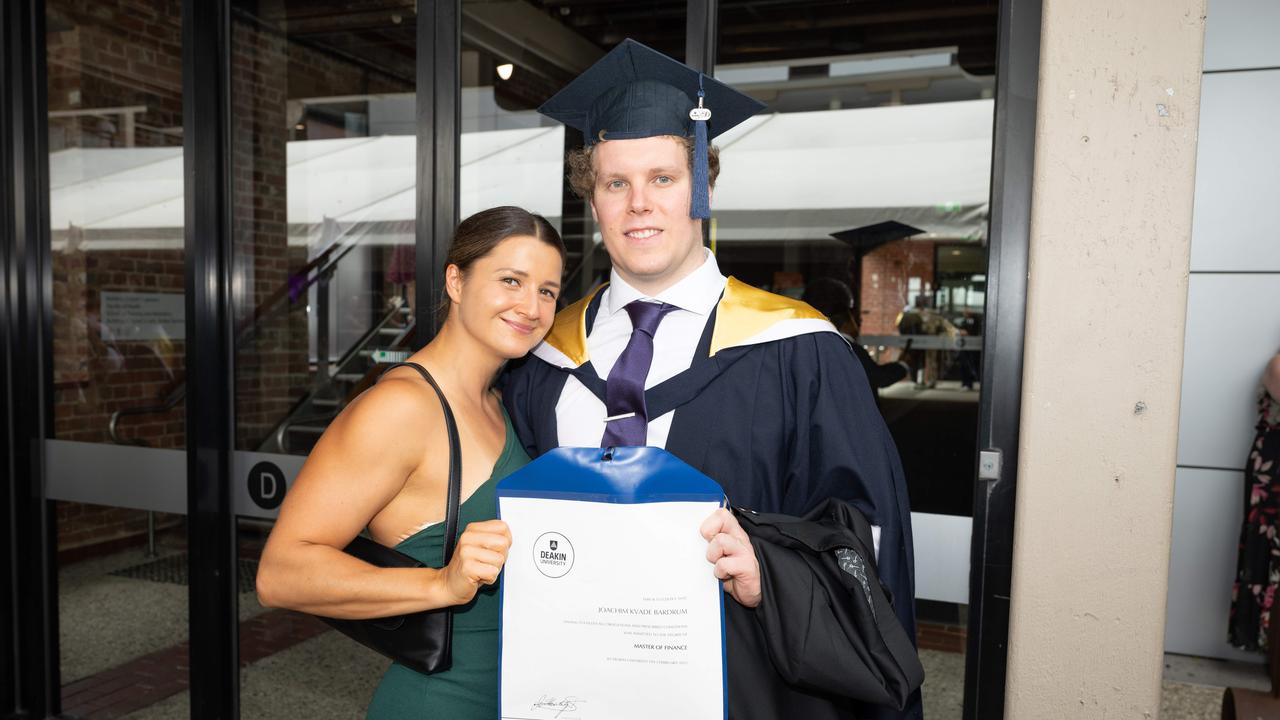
(782, 426)
(880, 376)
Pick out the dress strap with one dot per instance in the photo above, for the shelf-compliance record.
(454, 498)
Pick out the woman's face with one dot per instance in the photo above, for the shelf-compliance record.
(507, 300)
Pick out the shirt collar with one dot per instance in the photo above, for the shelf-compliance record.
(698, 292)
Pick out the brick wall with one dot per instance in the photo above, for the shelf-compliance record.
(886, 272)
(114, 54)
(271, 364)
(110, 55)
(96, 375)
(128, 53)
(83, 527)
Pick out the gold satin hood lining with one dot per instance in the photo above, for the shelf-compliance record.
(742, 313)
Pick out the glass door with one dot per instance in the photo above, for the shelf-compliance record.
(863, 189)
(324, 196)
(116, 466)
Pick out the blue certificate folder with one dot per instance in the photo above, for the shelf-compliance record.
(621, 475)
(612, 475)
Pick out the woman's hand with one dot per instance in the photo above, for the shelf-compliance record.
(477, 559)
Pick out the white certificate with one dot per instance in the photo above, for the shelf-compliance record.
(610, 609)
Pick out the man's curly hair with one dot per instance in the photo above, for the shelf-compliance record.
(582, 175)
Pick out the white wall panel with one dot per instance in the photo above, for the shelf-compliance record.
(942, 556)
(1238, 173)
(1233, 328)
(1206, 525)
(1241, 34)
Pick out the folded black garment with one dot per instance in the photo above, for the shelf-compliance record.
(824, 621)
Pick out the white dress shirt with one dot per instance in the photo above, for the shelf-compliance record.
(579, 413)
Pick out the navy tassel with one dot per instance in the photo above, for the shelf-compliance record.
(701, 204)
(701, 209)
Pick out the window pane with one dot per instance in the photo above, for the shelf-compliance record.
(324, 187)
(515, 56)
(114, 73)
(324, 192)
(878, 129)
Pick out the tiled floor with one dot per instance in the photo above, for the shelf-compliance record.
(124, 655)
(144, 681)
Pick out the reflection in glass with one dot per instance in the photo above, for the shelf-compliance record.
(324, 206)
(114, 88)
(324, 203)
(515, 56)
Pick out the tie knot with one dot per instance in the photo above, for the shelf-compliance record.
(645, 316)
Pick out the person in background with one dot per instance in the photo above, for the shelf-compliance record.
(1258, 563)
(833, 298)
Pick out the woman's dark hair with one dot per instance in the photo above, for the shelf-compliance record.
(479, 234)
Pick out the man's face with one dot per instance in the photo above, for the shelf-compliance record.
(641, 202)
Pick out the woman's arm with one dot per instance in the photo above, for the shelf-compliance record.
(360, 464)
(1271, 377)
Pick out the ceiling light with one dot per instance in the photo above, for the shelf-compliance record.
(505, 70)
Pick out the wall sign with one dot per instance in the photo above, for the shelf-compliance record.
(267, 485)
(143, 316)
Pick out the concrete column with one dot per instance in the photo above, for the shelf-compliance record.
(1110, 239)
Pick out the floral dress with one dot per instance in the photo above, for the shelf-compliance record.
(1258, 565)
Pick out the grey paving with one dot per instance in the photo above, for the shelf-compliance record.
(106, 620)
(109, 619)
(1216, 673)
(943, 684)
(328, 676)
(1181, 701)
(1193, 686)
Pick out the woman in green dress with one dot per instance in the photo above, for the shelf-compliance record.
(383, 465)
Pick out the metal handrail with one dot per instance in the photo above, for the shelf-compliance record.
(324, 266)
(175, 397)
(354, 351)
(282, 432)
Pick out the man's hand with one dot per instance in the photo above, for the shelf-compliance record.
(729, 550)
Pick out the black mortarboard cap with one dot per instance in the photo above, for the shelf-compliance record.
(869, 237)
(637, 92)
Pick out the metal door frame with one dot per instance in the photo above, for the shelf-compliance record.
(28, 611)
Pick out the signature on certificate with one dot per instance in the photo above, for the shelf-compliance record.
(559, 706)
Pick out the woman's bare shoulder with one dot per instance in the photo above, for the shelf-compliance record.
(400, 410)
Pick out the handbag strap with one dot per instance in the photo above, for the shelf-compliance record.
(453, 499)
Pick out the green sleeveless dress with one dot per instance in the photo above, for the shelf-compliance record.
(468, 689)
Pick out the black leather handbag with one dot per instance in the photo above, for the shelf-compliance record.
(421, 641)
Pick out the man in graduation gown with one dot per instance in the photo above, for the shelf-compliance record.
(756, 390)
